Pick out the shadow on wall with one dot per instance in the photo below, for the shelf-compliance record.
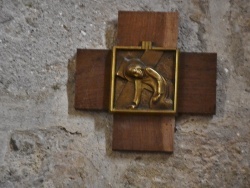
(71, 86)
(221, 88)
(111, 34)
(102, 120)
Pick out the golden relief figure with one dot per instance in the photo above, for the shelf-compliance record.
(145, 77)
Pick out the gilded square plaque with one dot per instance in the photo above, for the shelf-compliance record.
(144, 79)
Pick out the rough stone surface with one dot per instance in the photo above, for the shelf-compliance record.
(46, 143)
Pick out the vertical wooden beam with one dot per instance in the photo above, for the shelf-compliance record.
(159, 27)
(145, 132)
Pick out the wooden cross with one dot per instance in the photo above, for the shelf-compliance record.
(152, 132)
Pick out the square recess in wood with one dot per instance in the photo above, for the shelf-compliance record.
(144, 79)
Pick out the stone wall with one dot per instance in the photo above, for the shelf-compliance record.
(46, 143)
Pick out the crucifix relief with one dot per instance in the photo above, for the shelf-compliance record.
(145, 81)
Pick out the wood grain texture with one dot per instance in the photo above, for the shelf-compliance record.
(197, 83)
(145, 132)
(158, 27)
(92, 79)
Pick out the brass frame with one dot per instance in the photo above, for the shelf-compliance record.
(146, 45)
